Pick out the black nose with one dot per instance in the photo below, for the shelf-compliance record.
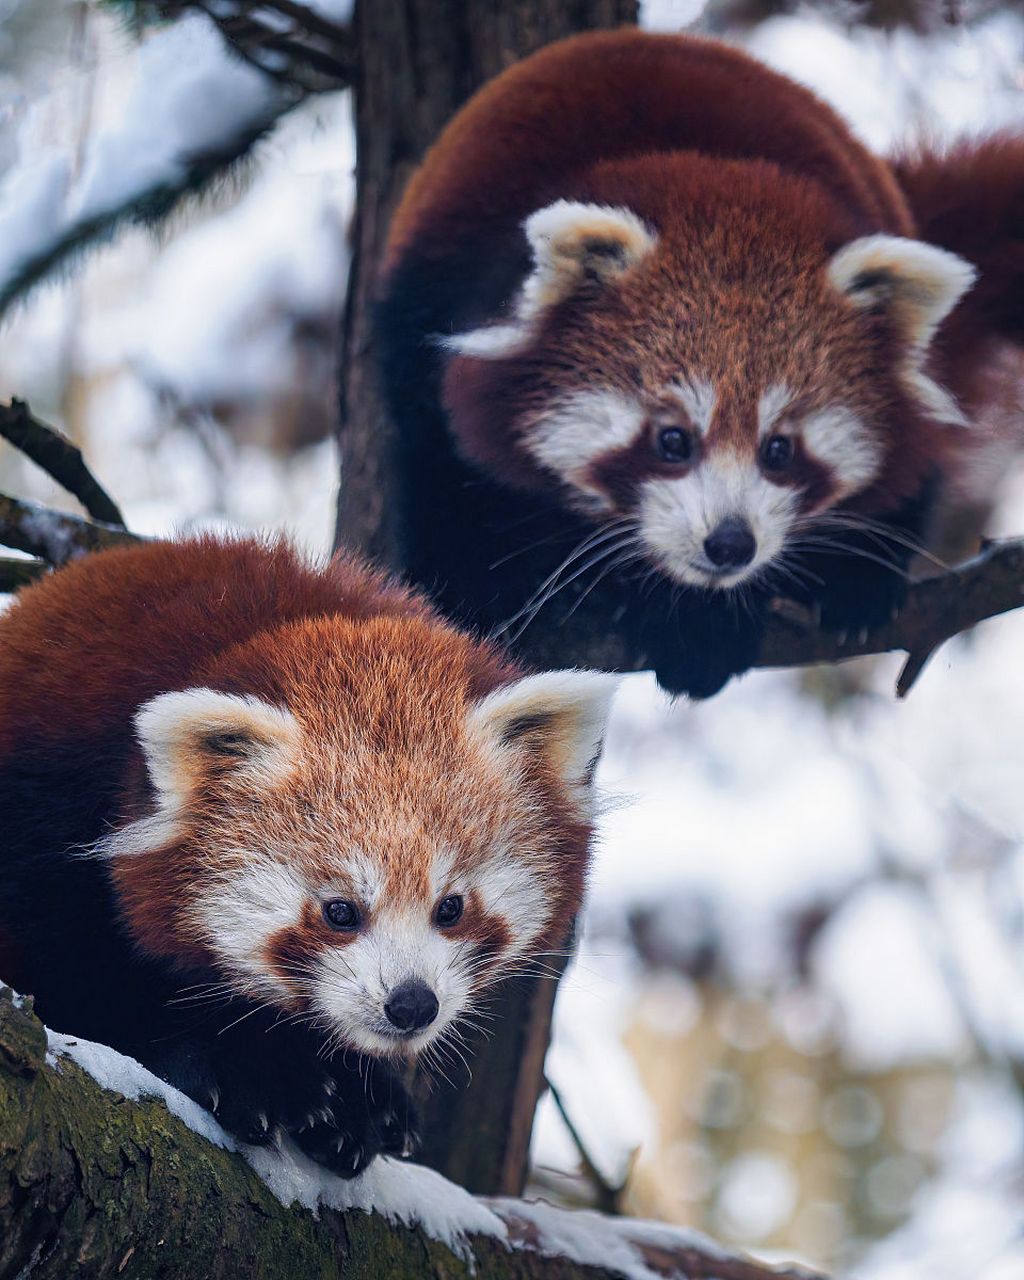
(731, 545)
(411, 1006)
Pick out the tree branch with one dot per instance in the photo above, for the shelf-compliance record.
(59, 458)
(285, 39)
(54, 536)
(112, 1184)
(15, 574)
(936, 609)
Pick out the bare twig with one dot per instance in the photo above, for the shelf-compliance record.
(608, 1196)
(15, 574)
(53, 536)
(936, 609)
(59, 458)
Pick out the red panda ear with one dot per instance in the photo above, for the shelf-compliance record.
(559, 714)
(185, 735)
(573, 243)
(918, 285)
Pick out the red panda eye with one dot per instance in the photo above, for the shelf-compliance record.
(777, 453)
(340, 914)
(674, 445)
(449, 911)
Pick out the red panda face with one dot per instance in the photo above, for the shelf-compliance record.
(708, 372)
(373, 840)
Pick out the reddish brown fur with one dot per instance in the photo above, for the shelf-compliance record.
(751, 183)
(363, 665)
(615, 94)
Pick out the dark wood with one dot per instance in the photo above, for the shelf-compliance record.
(417, 62)
(94, 1184)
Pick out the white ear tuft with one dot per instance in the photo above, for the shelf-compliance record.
(572, 242)
(183, 735)
(919, 285)
(561, 714)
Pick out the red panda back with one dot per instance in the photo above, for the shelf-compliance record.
(611, 95)
(81, 641)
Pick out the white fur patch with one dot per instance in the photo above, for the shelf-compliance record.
(171, 727)
(170, 730)
(356, 981)
(578, 429)
(837, 437)
(510, 890)
(677, 515)
(771, 405)
(698, 398)
(570, 240)
(571, 708)
(920, 284)
(240, 913)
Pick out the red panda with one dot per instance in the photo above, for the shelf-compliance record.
(653, 302)
(259, 815)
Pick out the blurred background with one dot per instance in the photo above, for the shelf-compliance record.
(796, 1018)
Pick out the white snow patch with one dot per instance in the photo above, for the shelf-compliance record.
(190, 96)
(591, 1239)
(113, 1070)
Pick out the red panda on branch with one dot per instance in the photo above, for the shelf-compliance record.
(269, 829)
(655, 328)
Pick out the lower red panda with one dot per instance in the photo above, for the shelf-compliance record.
(257, 816)
(650, 303)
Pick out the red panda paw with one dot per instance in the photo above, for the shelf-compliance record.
(369, 1115)
(704, 641)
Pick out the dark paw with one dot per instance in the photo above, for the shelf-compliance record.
(860, 598)
(704, 644)
(376, 1119)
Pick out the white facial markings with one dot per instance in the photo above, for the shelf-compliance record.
(239, 913)
(355, 982)
(698, 398)
(838, 437)
(771, 406)
(677, 515)
(363, 878)
(516, 893)
(578, 429)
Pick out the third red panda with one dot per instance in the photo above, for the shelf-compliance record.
(649, 302)
(267, 828)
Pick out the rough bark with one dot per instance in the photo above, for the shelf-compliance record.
(417, 61)
(94, 1185)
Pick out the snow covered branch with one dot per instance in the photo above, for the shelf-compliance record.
(304, 43)
(54, 536)
(195, 112)
(936, 609)
(105, 1168)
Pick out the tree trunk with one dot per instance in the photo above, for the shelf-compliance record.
(94, 1185)
(417, 62)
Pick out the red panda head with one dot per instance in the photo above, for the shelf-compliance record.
(709, 351)
(363, 822)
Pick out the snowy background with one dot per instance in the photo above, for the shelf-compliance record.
(797, 1016)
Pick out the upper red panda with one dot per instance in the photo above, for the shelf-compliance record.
(662, 302)
(257, 815)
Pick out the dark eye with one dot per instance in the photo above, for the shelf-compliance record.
(777, 453)
(449, 911)
(674, 445)
(340, 914)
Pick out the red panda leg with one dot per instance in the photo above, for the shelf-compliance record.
(263, 1081)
